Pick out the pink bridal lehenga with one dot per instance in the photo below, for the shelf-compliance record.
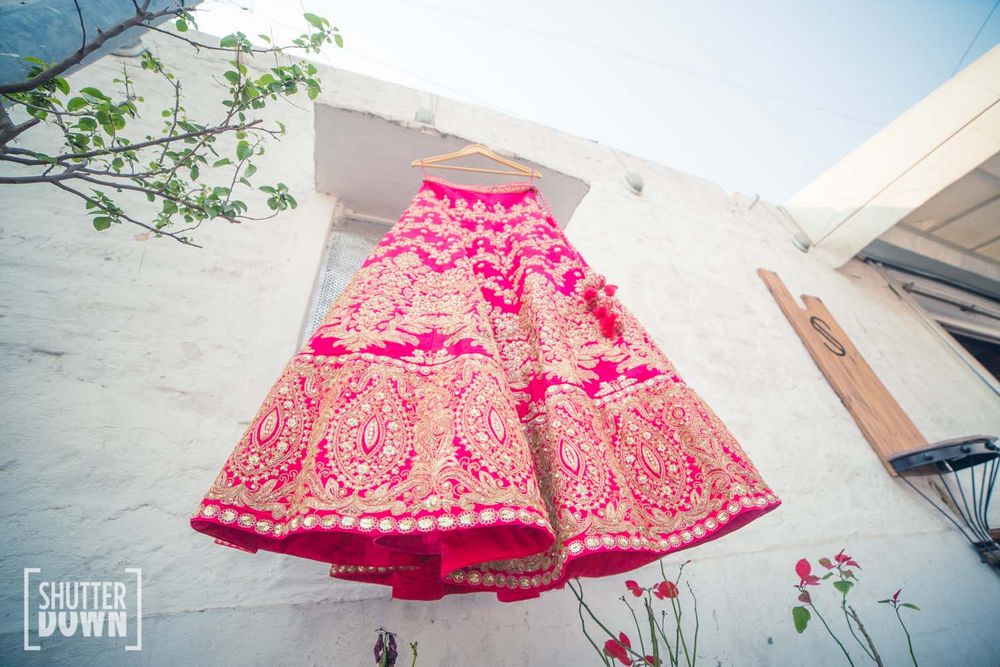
(478, 412)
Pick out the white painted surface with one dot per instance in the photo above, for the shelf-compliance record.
(932, 145)
(132, 367)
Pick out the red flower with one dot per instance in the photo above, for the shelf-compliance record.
(610, 289)
(895, 596)
(666, 589)
(655, 662)
(804, 597)
(804, 570)
(846, 560)
(618, 648)
(634, 587)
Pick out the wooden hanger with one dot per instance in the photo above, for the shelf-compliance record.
(435, 161)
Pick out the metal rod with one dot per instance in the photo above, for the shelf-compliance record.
(935, 506)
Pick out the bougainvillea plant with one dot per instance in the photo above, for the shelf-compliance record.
(660, 639)
(842, 569)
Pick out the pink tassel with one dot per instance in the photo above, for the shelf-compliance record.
(600, 311)
(608, 322)
(590, 293)
(610, 289)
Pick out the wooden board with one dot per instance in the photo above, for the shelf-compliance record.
(882, 421)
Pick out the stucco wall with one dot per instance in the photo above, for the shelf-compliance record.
(131, 367)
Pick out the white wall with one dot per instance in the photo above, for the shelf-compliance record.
(131, 367)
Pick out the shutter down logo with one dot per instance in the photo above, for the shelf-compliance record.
(84, 610)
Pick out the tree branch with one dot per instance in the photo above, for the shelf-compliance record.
(140, 18)
(152, 142)
(69, 172)
(83, 26)
(198, 45)
(99, 205)
(9, 129)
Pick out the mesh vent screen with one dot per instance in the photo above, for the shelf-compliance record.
(351, 241)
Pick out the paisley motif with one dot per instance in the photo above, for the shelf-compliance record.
(478, 412)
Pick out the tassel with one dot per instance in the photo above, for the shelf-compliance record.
(608, 323)
(610, 289)
(600, 311)
(590, 294)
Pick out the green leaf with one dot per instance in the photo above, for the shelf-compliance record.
(800, 616)
(843, 586)
(338, 40)
(232, 77)
(228, 42)
(87, 124)
(61, 84)
(910, 605)
(243, 150)
(182, 25)
(317, 21)
(267, 188)
(94, 92)
(76, 103)
(101, 222)
(250, 170)
(222, 163)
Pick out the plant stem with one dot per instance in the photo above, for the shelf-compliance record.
(666, 642)
(697, 624)
(652, 629)
(638, 630)
(825, 625)
(413, 647)
(909, 641)
(871, 644)
(850, 627)
(583, 625)
(579, 596)
(682, 642)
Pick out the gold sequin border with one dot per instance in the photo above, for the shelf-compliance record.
(232, 515)
(683, 537)
(493, 580)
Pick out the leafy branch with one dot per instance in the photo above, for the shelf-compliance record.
(99, 158)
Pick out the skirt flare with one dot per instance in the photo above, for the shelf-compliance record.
(479, 412)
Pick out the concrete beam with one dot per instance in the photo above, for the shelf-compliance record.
(940, 139)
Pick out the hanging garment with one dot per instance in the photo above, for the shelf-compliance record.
(479, 412)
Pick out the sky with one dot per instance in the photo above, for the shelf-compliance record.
(758, 96)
